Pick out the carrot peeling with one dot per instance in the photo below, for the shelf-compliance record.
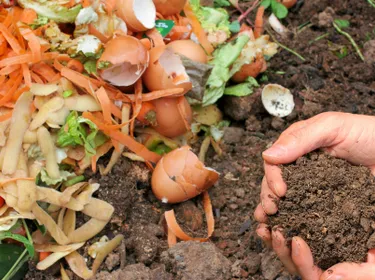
(258, 28)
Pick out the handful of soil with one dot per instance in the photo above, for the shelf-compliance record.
(331, 205)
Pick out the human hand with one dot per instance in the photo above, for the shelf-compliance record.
(342, 135)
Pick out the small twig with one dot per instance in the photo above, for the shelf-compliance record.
(371, 2)
(245, 14)
(347, 35)
(204, 148)
(318, 38)
(238, 8)
(285, 47)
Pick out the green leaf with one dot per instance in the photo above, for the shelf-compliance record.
(279, 10)
(38, 22)
(13, 262)
(90, 67)
(41, 228)
(266, 3)
(342, 23)
(67, 93)
(74, 180)
(28, 245)
(104, 64)
(64, 175)
(221, 3)
(235, 26)
(243, 89)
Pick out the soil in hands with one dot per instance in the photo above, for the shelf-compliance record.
(331, 205)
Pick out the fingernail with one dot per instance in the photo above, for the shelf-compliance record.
(296, 249)
(275, 151)
(334, 277)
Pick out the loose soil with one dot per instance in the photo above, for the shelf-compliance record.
(323, 82)
(330, 204)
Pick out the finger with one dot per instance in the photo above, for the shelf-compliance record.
(371, 256)
(274, 179)
(317, 132)
(265, 234)
(303, 260)
(350, 271)
(282, 250)
(268, 199)
(259, 214)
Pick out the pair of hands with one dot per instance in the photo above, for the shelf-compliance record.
(347, 136)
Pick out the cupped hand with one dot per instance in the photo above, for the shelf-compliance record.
(347, 136)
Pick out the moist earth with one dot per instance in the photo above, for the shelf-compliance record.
(321, 82)
(330, 203)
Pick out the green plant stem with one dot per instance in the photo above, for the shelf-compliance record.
(347, 35)
(11, 270)
(27, 231)
(371, 2)
(286, 48)
(318, 38)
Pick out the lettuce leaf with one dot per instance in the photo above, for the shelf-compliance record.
(52, 10)
(80, 131)
(243, 89)
(64, 175)
(224, 57)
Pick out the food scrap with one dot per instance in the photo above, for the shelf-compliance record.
(83, 79)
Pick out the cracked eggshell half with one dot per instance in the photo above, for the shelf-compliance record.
(180, 176)
(169, 7)
(123, 61)
(277, 100)
(139, 15)
(166, 71)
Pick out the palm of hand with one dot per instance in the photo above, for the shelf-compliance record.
(347, 136)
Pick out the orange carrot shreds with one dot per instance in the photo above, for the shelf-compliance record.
(124, 139)
(6, 116)
(33, 42)
(25, 58)
(9, 93)
(147, 43)
(174, 230)
(158, 94)
(82, 81)
(156, 37)
(198, 29)
(75, 65)
(61, 58)
(12, 41)
(86, 3)
(116, 111)
(35, 77)
(95, 32)
(46, 71)
(26, 74)
(43, 255)
(258, 28)
(9, 69)
(3, 46)
(18, 93)
(105, 103)
(28, 16)
(116, 145)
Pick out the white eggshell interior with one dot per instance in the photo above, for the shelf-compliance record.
(172, 65)
(277, 100)
(145, 12)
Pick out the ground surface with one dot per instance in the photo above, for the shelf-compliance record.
(330, 204)
(323, 82)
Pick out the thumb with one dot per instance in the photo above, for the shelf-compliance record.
(302, 138)
(349, 271)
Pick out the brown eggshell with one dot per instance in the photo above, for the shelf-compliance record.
(190, 49)
(130, 11)
(155, 76)
(180, 176)
(169, 7)
(169, 121)
(250, 70)
(129, 59)
(288, 3)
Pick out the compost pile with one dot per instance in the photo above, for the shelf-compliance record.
(330, 203)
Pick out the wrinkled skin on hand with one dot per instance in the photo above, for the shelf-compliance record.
(346, 136)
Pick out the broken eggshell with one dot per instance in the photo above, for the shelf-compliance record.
(139, 15)
(166, 71)
(190, 49)
(123, 61)
(277, 100)
(180, 176)
(169, 7)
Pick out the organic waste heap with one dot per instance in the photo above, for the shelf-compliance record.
(331, 205)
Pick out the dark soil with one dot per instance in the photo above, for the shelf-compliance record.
(323, 82)
(330, 204)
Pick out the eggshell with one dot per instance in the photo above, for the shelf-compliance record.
(170, 122)
(169, 7)
(180, 176)
(139, 15)
(164, 64)
(129, 59)
(190, 49)
(250, 70)
(277, 100)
